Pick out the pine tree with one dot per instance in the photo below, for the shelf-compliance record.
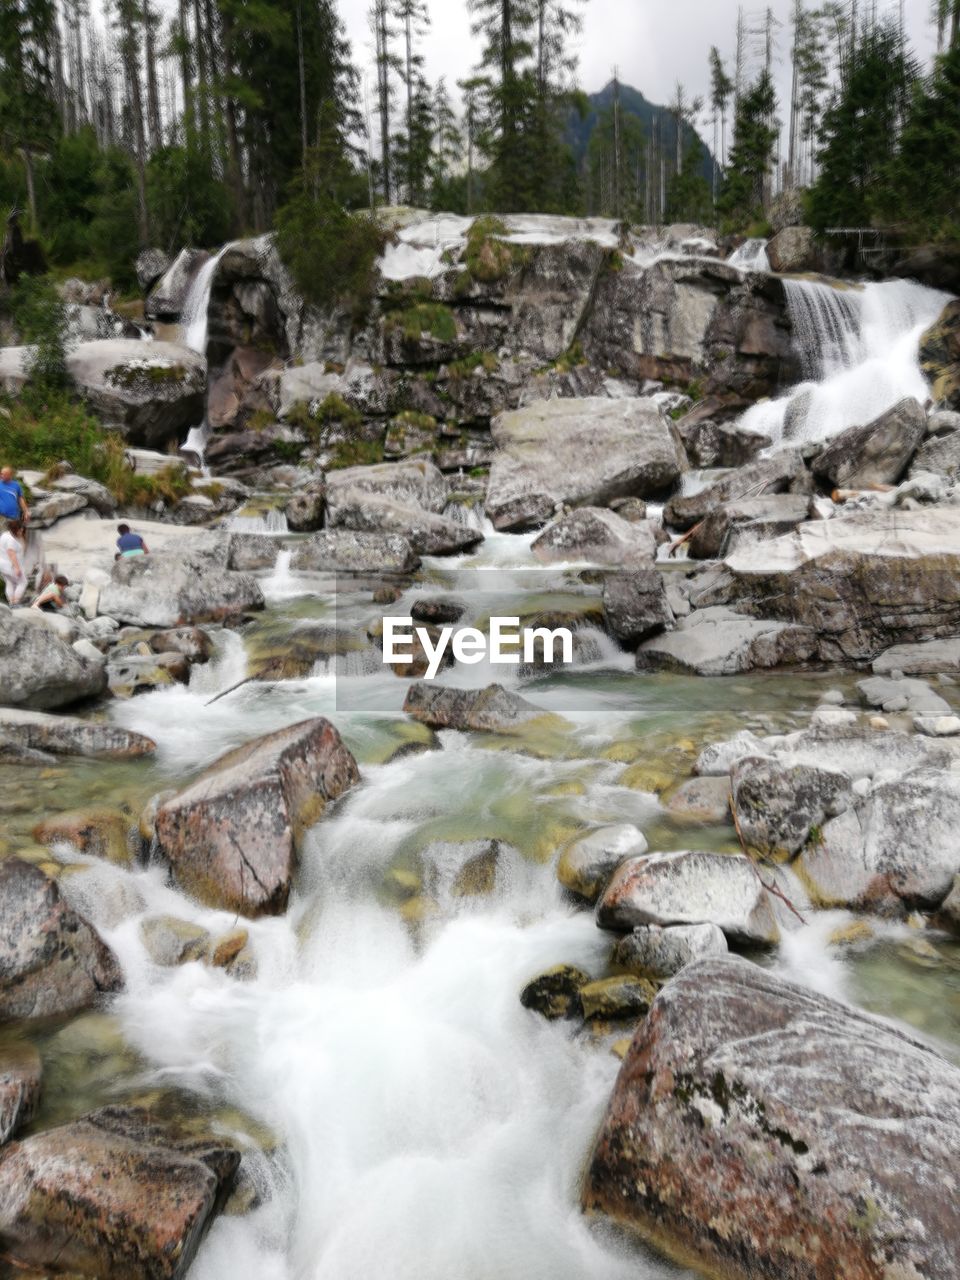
(721, 87)
(741, 198)
(413, 18)
(28, 112)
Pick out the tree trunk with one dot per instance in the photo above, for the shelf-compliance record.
(301, 70)
(130, 51)
(234, 160)
(153, 96)
(203, 83)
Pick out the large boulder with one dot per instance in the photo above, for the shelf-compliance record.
(586, 864)
(746, 520)
(115, 1195)
(650, 951)
(782, 472)
(150, 266)
(691, 887)
(758, 1128)
(792, 249)
(876, 453)
(635, 606)
(39, 671)
(778, 806)
(51, 961)
(152, 392)
(233, 836)
(719, 444)
(940, 356)
(719, 642)
(893, 849)
(346, 551)
(173, 590)
(599, 537)
(415, 482)
(490, 710)
(427, 533)
(165, 300)
(578, 453)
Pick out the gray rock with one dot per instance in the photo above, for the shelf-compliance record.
(305, 511)
(927, 657)
(165, 300)
(427, 533)
(746, 520)
(719, 642)
(823, 1140)
(170, 941)
(777, 806)
(599, 537)
(490, 710)
(635, 605)
(856, 751)
(95, 495)
(654, 952)
(344, 551)
(619, 996)
(939, 454)
(792, 249)
(720, 444)
(700, 800)
(47, 509)
(942, 422)
(51, 960)
(152, 392)
(247, 552)
(67, 736)
(233, 836)
(21, 1077)
(950, 908)
(876, 453)
(174, 590)
(38, 670)
(893, 849)
(913, 696)
(587, 863)
(415, 483)
(690, 887)
(782, 472)
(150, 266)
(579, 453)
(130, 674)
(937, 726)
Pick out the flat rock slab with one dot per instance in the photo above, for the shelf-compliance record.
(578, 452)
(415, 482)
(490, 710)
(173, 590)
(233, 836)
(718, 642)
(346, 551)
(690, 887)
(51, 960)
(69, 736)
(928, 657)
(760, 1129)
(914, 696)
(747, 520)
(857, 751)
(115, 1195)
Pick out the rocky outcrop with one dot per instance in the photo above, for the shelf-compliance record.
(152, 392)
(305, 511)
(345, 551)
(716, 641)
(577, 453)
(490, 710)
(67, 736)
(51, 960)
(690, 887)
(116, 1195)
(39, 671)
(233, 836)
(758, 1128)
(599, 537)
(635, 606)
(877, 453)
(173, 590)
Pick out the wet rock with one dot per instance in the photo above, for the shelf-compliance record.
(578, 453)
(131, 674)
(622, 996)
(587, 863)
(67, 736)
(116, 1195)
(700, 800)
(437, 611)
(21, 1078)
(892, 849)
(824, 1141)
(150, 266)
(195, 645)
(226, 949)
(556, 993)
(719, 444)
(427, 533)
(913, 696)
(247, 552)
(937, 726)
(305, 511)
(98, 833)
(38, 671)
(165, 300)
(718, 642)
(654, 952)
(950, 908)
(169, 941)
(490, 710)
(940, 356)
(690, 887)
(598, 536)
(876, 453)
(151, 392)
(635, 606)
(778, 807)
(345, 551)
(849, 749)
(233, 836)
(746, 520)
(782, 472)
(175, 590)
(51, 960)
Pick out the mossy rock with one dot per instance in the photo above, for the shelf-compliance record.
(555, 993)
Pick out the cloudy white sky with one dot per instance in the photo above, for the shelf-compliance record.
(653, 42)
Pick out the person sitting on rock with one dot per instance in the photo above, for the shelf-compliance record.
(13, 505)
(129, 544)
(12, 542)
(51, 598)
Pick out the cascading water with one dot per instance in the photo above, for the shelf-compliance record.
(196, 305)
(750, 256)
(859, 352)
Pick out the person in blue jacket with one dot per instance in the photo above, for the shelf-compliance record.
(130, 544)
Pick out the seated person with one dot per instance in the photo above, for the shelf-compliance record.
(129, 544)
(51, 598)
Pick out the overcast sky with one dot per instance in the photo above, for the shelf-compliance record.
(653, 42)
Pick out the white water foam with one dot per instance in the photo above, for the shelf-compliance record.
(750, 256)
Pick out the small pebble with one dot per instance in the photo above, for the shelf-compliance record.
(879, 722)
(832, 698)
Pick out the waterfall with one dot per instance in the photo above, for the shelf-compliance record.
(859, 354)
(196, 443)
(196, 305)
(751, 256)
(270, 521)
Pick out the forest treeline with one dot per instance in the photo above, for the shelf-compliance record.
(237, 116)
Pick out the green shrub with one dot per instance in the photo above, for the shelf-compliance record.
(431, 318)
(41, 320)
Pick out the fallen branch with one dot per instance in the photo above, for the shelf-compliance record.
(770, 888)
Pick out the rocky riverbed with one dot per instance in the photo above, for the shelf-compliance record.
(566, 971)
